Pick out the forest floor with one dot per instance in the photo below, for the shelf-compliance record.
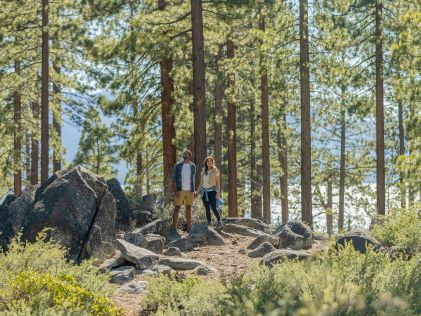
(229, 260)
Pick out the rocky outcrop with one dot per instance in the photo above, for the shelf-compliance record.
(295, 235)
(203, 234)
(79, 209)
(159, 227)
(261, 250)
(282, 254)
(122, 274)
(142, 258)
(274, 240)
(242, 230)
(360, 241)
(254, 223)
(181, 263)
(124, 211)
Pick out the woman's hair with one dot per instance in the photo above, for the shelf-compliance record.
(206, 165)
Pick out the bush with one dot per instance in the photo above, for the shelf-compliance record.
(35, 278)
(401, 228)
(345, 283)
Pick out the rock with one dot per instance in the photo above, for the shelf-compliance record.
(172, 251)
(114, 262)
(142, 258)
(148, 272)
(163, 269)
(295, 235)
(359, 240)
(81, 211)
(173, 235)
(6, 200)
(148, 203)
(213, 238)
(274, 240)
(262, 250)
(124, 210)
(154, 243)
(135, 237)
(180, 263)
(184, 244)
(122, 274)
(141, 218)
(281, 254)
(249, 222)
(13, 213)
(159, 226)
(134, 287)
(241, 230)
(204, 270)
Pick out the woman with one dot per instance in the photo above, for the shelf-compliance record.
(209, 189)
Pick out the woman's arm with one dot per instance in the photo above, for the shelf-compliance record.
(218, 184)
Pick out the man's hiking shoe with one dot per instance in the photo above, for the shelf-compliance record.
(219, 225)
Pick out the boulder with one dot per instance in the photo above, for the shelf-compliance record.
(261, 250)
(148, 203)
(154, 243)
(274, 240)
(183, 243)
(141, 218)
(180, 263)
(242, 230)
(295, 235)
(135, 237)
(13, 213)
(159, 226)
(163, 269)
(204, 270)
(122, 274)
(124, 211)
(282, 254)
(203, 234)
(360, 240)
(249, 222)
(134, 287)
(172, 251)
(78, 207)
(213, 238)
(114, 262)
(141, 257)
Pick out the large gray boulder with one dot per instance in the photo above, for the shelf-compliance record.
(141, 257)
(261, 250)
(242, 230)
(78, 207)
(360, 241)
(203, 234)
(295, 235)
(159, 227)
(177, 263)
(134, 287)
(122, 274)
(13, 212)
(274, 240)
(249, 222)
(124, 211)
(278, 255)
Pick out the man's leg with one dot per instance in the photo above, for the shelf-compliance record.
(188, 217)
(175, 216)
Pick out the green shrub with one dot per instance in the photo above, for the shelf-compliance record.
(36, 278)
(345, 283)
(400, 228)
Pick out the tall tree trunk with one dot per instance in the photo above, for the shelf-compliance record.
(28, 157)
(306, 198)
(329, 208)
(264, 99)
(198, 84)
(342, 174)
(283, 159)
(232, 142)
(34, 145)
(168, 119)
(380, 168)
(256, 196)
(139, 176)
(44, 93)
(219, 93)
(57, 123)
(401, 153)
(17, 137)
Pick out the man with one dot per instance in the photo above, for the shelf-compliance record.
(183, 178)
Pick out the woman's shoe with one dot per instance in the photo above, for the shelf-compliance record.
(219, 225)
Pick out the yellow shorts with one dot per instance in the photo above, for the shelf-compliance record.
(184, 198)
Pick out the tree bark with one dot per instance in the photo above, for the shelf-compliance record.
(255, 186)
(34, 146)
(44, 93)
(57, 123)
(380, 168)
(283, 159)
(17, 137)
(199, 100)
(329, 208)
(306, 197)
(264, 99)
(219, 93)
(139, 176)
(342, 175)
(401, 153)
(232, 142)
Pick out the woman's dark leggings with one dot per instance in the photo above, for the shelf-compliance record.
(211, 204)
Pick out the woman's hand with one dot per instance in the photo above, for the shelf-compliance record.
(217, 195)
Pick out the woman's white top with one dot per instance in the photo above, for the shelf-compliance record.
(206, 183)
